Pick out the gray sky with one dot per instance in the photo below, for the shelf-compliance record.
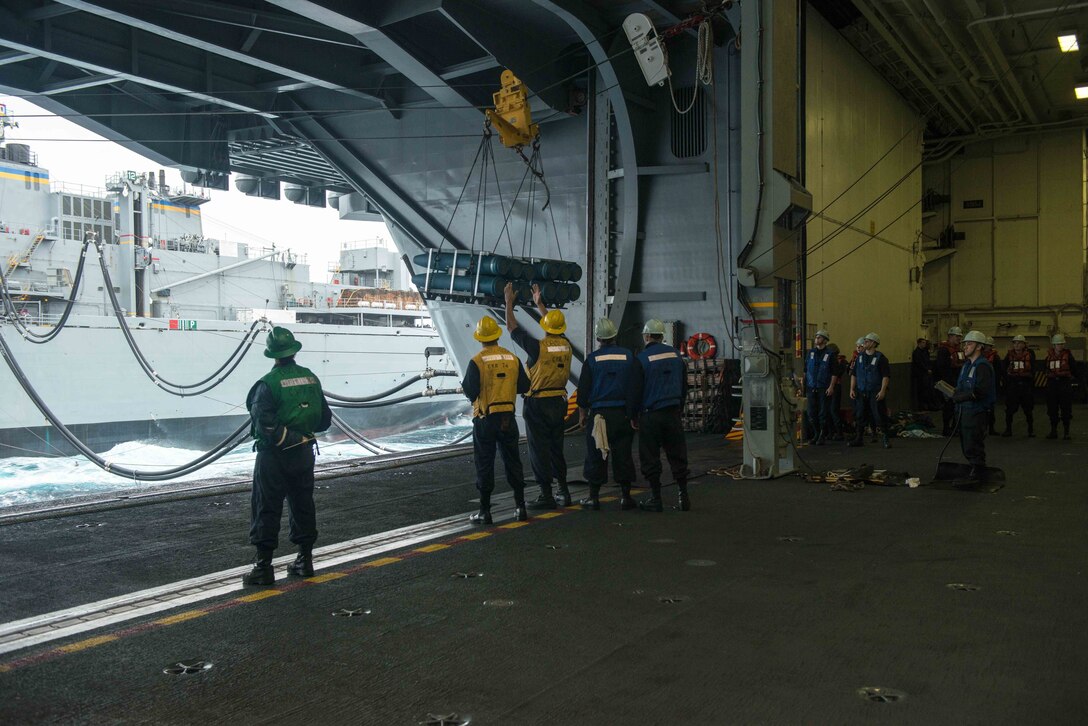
(74, 155)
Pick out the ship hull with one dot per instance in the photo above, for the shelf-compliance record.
(91, 381)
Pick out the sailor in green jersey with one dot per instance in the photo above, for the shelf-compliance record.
(286, 407)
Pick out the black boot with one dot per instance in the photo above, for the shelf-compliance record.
(887, 444)
(592, 501)
(1067, 437)
(683, 501)
(262, 573)
(626, 502)
(303, 566)
(1053, 431)
(818, 440)
(481, 517)
(653, 504)
(520, 515)
(563, 497)
(544, 501)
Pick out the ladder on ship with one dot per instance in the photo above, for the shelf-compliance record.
(24, 259)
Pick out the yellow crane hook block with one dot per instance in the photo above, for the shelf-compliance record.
(511, 115)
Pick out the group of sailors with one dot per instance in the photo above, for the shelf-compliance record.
(1015, 374)
(967, 365)
(619, 394)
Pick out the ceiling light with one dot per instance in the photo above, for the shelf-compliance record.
(1082, 92)
(1068, 43)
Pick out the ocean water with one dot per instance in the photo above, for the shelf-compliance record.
(36, 480)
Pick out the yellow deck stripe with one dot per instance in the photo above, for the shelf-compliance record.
(761, 305)
(433, 548)
(182, 617)
(549, 515)
(383, 562)
(4, 668)
(327, 577)
(259, 595)
(513, 525)
(608, 499)
(476, 535)
(88, 643)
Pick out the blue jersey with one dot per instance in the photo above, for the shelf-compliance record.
(819, 367)
(608, 373)
(663, 374)
(977, 377)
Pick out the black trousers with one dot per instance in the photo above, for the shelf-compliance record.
(1019, 394)
(870, 411)
(497, 431)
(1059, 400)
(818, 412)
(276, 475)
(833, 410)
(662, 429)
(973, 430)
(620, 438)
(544, 427)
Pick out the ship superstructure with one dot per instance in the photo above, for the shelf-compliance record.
(188, 301)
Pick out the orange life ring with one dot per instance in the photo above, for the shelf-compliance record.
(702, 345)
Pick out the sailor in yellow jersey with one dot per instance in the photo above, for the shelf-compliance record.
(545, 410)
(492, 382)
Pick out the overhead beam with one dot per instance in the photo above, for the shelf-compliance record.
(347, 18)
(12, 56)
(17, 36)
(76, 84)
(141, 17)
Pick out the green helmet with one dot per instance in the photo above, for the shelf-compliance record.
(974, 336)
(1019, 339)
(1058, 338)
(605, 329)
(653, 327)
(990, 340)
(281, 344)
(873, 337)
(823, 334)
(860, 341)
(955, 330)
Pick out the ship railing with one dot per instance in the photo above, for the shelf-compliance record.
(79, 190)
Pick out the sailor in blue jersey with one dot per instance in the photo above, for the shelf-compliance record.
(662, 385)
(975, 396)
(820, 379)
(868, 387)
(286, 408)
(605, 399)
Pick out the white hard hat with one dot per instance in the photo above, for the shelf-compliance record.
(861, 341)
(653, 327)
(823, 334)
(974, 336)
(1058, 338)
(989, 340)
(955, 330)
(873, 337)
(1019, 339)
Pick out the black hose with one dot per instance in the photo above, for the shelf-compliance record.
(399, 387)
(951, 436)
(358, 438)
(183, 389)
(29, 334)
(217, 452)
(399, 399)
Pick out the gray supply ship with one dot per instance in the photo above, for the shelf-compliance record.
(190, 303)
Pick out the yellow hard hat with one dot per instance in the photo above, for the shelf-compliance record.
(554, 322)
(487, 330)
